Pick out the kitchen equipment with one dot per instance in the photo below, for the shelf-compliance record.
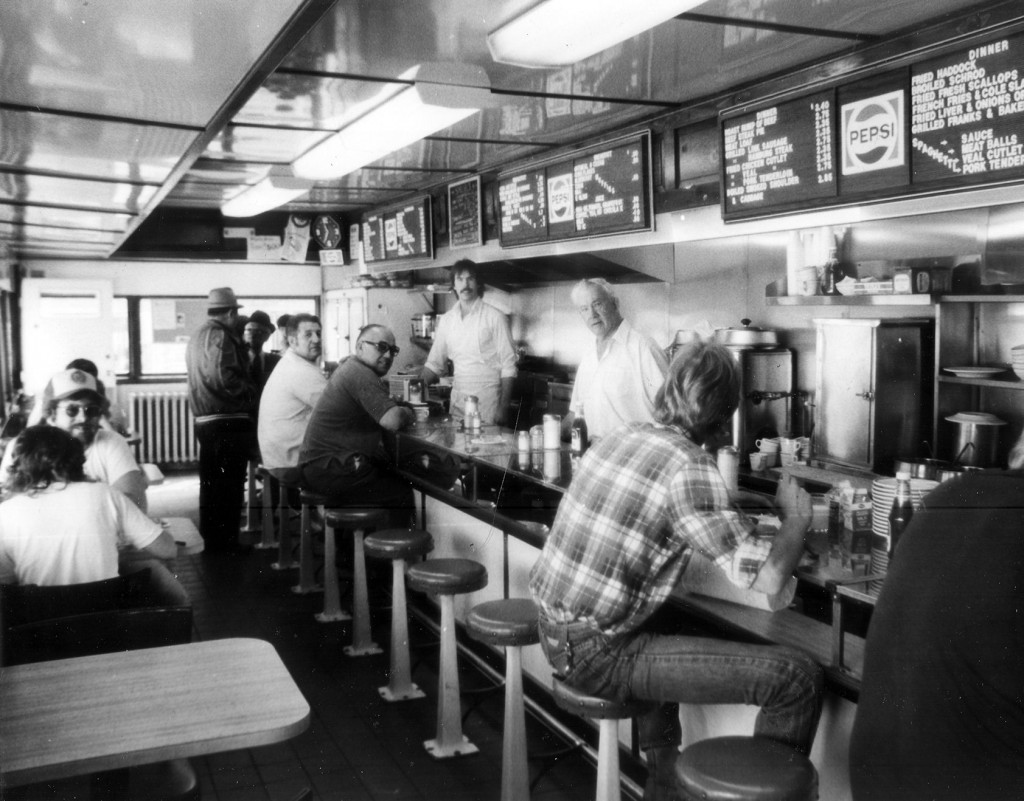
(870, 397)
(920, 467)
(746, 337)
(976, 440)
(424, 325)
(766, 384)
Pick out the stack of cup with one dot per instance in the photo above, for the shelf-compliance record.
(789, 450)
(769, 446)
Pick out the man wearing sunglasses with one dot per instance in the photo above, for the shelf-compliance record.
(77, 407)
(343, 450)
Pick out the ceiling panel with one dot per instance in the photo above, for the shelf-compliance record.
(11, 231)
(73, 192)
(70, 218)
(90, 147)
(272, 145)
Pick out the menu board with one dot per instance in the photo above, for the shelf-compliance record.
(402, 232)
(967, 114)
(779, 156)
(602, 190)
(465, 221)
(373, 238)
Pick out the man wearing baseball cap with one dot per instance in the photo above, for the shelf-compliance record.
(224, 401)
(77, 407)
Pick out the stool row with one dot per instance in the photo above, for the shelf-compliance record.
(716, 769)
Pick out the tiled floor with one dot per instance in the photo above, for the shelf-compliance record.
(357, 747)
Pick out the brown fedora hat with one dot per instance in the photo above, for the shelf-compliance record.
(223, 298)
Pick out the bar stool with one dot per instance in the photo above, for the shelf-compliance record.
(447, 578)
(270, 486)
(510, 623)
(745, 769)
(285, 559)
(608, 713)
(247, 534)
(399, 545)
(307, 563)
(357, 521)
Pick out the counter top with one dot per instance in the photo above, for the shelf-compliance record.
(487, 478)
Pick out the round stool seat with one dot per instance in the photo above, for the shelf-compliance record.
(590, 706)
(508, 622)
(398, 543)
(745, 769)
(311, 498)
(355, 517)
(447, 576)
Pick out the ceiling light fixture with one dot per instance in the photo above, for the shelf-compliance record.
(556, 33)
(436, 96)
(273, 191)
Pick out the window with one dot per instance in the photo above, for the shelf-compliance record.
(151, 334)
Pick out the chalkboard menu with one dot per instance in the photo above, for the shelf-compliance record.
(781, 155)
(949, 121)
(602, 190)
(967, 114)
(465, 220)
(402, 232)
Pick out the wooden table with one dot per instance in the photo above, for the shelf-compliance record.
(71, 717)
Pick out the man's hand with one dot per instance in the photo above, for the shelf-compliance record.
(792, 501)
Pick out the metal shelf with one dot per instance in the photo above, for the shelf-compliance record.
(996, 383)
(850, 300)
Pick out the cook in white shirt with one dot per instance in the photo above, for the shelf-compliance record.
(476, 337)
(620, 375)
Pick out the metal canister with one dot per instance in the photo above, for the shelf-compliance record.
(537, 438)
(416, 391)
(523, 441)
(471, 407)
(729, 466)
(552, 431)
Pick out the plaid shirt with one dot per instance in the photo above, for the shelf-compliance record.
(642, 501)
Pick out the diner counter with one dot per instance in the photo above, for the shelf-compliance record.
(487, 478)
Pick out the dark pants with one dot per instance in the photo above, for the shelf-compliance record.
(224, 448)
(369, 484)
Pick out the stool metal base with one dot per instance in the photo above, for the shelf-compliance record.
(284, 565)
(409, 694)
(463, 748)
(332, 617)
(298, 589)
(366, 649)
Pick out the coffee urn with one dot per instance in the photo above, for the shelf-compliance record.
(766, 385)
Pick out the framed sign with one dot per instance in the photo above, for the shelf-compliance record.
(465, 218)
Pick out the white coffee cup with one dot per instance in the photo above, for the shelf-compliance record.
(788, 458)
(789, 445)
(758, 461)
(768, 445)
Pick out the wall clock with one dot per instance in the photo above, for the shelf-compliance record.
(326, 232)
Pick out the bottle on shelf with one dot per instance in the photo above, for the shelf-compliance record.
(579, 440)
(831, 273)
(901, 513)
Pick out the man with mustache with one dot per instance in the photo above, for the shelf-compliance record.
(476, 337)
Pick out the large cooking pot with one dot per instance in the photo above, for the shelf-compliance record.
(746, 337)
(977, 438)
(921, 467)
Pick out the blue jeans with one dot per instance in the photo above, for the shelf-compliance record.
(674, 669)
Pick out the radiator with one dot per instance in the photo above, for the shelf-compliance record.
(164, 423)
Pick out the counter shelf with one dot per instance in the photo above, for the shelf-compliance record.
(833, 646)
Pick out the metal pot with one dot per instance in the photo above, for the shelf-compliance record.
(746, 337)
(423, 325)
(977, 438)
(920, 467)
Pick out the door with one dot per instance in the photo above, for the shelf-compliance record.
(344, 315)
(844, 422)
(65, 319)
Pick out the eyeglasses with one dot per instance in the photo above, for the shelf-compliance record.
(72, 410)
(384, 347)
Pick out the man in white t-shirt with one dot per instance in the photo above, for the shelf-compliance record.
(621, 373)
(76, 407)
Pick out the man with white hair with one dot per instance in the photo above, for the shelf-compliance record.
(619, 377)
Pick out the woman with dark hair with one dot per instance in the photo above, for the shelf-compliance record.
(57, 528)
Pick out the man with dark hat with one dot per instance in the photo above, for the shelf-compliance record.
(256, 333)
(224, 401)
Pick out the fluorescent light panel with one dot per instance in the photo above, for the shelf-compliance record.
(271, 192)
(442, 95)
(556, 33)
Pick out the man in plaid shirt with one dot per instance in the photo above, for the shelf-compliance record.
(645, 498)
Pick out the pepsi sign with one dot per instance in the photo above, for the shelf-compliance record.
(873, 133)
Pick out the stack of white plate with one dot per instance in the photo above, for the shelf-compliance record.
(1017, 357)
(883, 492)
